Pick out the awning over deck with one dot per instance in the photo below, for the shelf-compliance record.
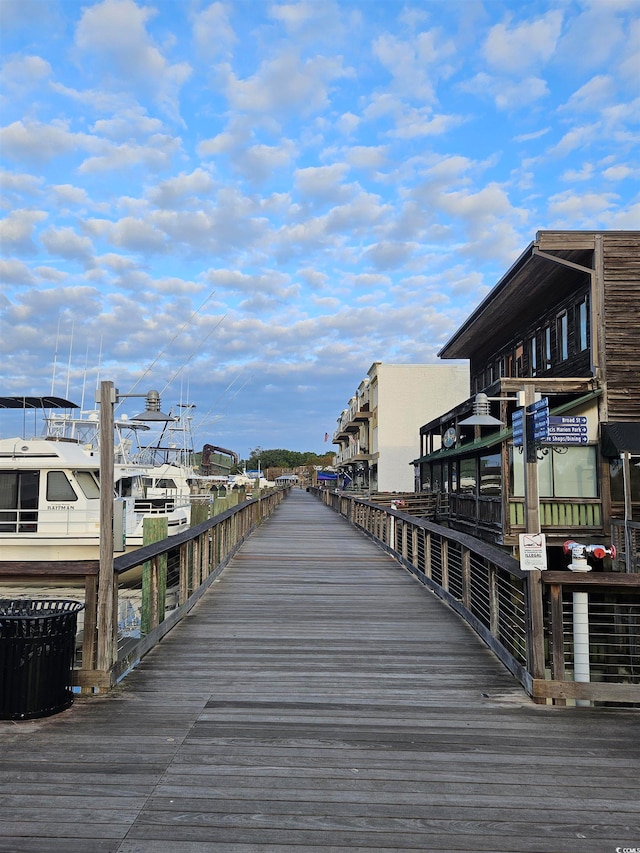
(620, 437)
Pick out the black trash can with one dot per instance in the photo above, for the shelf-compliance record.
(37, 647)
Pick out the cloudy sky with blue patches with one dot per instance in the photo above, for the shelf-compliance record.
(244, 204)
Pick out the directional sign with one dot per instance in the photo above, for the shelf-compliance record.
(538, 405)
(567, 439)
(517, 421)
(567, 430)
(567, 421)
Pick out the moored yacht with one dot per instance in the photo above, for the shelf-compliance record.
(50, 489)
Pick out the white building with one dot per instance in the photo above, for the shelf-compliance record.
(378, 431)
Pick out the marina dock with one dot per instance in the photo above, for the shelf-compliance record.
(319, 699)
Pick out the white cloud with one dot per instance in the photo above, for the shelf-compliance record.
(508, 93)
(35, 142)
(66, 243)
(519, 47)
(367, 156)
(155, 155)
(113, 35)
(590, 97)
(620, 172)
(579, 208)
(181, 189)
(25, 72)
(15, 272)
(408, 64)
(213, 33)
(284, 84)
(17, 231)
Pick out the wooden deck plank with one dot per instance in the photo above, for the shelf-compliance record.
(319, 699)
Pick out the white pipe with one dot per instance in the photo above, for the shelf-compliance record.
(581, 669)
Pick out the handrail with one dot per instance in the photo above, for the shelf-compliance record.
(201, 553)
(158, 583)
(526, 618)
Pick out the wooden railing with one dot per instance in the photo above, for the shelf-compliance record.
(154, 587)
(526, 618)
(567, 513)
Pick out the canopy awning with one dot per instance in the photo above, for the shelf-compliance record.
(620, 437)
(24, 402)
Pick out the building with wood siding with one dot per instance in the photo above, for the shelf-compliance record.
(563, 323)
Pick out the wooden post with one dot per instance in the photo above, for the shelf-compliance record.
(466, 577)
(535, 628)
(531, 491)
(90, 625)
(154, 576)
(427, 554)
(494, 601)
(184, 572)
(444, 562)
(557, 637)
(107, 591)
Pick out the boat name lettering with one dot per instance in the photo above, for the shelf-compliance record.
(60, 506)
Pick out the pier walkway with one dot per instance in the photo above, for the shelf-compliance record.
(319, 699)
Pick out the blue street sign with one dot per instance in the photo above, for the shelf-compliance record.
(567, 421)
(567, 430)
(538, 406)
(567, 439)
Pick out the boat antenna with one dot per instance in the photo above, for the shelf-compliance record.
(55, 358)
(73, 324)
(177, 334)
(201, 344)
(84, 378)
(203, 419)
(99, 363)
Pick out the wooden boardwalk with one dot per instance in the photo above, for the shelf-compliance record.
(318, 699)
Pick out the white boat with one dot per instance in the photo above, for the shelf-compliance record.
(50, 487)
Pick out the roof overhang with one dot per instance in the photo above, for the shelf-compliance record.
(531, 280)
(620, 437)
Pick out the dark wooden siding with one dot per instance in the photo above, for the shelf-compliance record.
(578, 363)
(622, 325)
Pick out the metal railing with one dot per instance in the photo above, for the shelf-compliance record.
(526, 618)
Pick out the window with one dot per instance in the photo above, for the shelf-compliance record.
(616, 471)
(19, 501)
(581, 325)
(533, 355)
(490, 474)
(467, 481)
(572, 474)
(59, 488)
(87, 483)
(520, 359)
(562, 340)
(547, 347)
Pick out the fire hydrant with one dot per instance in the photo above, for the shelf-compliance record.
(579, 554)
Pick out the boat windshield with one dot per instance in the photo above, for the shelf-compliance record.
(88, 483)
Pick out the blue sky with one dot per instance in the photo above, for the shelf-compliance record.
(244, 204)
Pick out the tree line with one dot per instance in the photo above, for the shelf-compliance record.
(280, 458)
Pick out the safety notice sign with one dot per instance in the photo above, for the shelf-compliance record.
(533, 552)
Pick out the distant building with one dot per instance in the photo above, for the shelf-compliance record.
(377, 431)
(563, 324)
